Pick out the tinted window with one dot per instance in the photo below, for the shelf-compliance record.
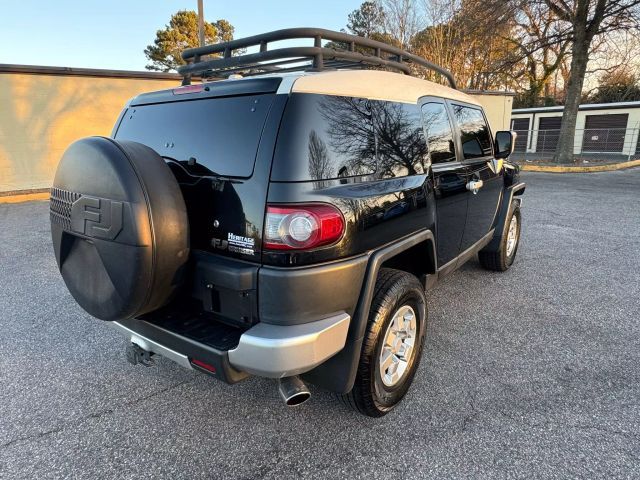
(222, 134)
(439, 133)
(476, 140)
(402, 149)
(324, 137)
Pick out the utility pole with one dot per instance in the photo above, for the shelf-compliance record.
(201, 22)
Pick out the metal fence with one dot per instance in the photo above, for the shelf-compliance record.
(596, 145)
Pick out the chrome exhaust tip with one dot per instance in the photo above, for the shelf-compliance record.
(293, 391)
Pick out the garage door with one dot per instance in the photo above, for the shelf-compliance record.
(605, 133)
(548, 134)
(521, 126)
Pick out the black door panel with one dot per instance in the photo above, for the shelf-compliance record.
(449, 177)
(477, 151)
(482, 205)
(451, 206)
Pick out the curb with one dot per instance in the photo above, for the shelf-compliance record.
(569, 169)
(24, 197)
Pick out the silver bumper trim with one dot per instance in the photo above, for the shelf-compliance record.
(278, 351)
(155, 347)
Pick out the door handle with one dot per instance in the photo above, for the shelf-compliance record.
(474, 185)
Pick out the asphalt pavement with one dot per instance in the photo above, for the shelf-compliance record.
(532, 373)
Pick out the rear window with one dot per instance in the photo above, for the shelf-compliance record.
(325, 137)
(221, 134)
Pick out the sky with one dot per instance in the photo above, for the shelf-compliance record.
(113, 34)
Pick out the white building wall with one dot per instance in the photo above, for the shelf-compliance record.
(581, 120)
(631, 137)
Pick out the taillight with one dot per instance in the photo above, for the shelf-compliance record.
(197, 88)
(203, 365)
(297, 227)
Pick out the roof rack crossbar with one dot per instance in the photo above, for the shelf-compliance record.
(381, 54)
(317, 54)
(257, 68)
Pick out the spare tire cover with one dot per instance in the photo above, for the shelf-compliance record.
(119, 227)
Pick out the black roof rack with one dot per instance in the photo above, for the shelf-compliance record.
(288, 59)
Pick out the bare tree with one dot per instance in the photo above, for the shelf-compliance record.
(457, 37)
(611, 55)
(621, 84)
(439, 41)
(403, 19)
(541, 46)
(585, 20)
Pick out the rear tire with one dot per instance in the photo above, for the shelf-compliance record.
(501, 259)
(392, 346)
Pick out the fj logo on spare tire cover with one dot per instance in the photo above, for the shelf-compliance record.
(97, 217)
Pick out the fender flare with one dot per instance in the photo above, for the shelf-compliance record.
(338, 373)
(375, 262)
(503, 213)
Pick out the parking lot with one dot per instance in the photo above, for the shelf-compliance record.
(530, 373)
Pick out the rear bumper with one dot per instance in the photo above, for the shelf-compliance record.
(266, 350)
(178, 348)
(152, 346)
(281, 351)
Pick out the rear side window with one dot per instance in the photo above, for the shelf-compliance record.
(474, 131)
(439, 133)
(221, 134)
(324, 137)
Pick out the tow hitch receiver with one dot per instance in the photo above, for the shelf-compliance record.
(137, 354)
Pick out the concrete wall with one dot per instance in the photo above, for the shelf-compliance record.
(42, 113)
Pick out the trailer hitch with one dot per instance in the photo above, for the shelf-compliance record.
(136, 354)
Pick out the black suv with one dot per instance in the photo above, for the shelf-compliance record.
(286, 219)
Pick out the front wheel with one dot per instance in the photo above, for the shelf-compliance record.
(503, 258)
(392, 345)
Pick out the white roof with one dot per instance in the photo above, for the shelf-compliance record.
(375, 85)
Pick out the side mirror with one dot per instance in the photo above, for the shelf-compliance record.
(505, 143)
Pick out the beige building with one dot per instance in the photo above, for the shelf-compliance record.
(44, 109)
(497, 106)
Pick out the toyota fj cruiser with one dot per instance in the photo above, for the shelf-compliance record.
(285, 219)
